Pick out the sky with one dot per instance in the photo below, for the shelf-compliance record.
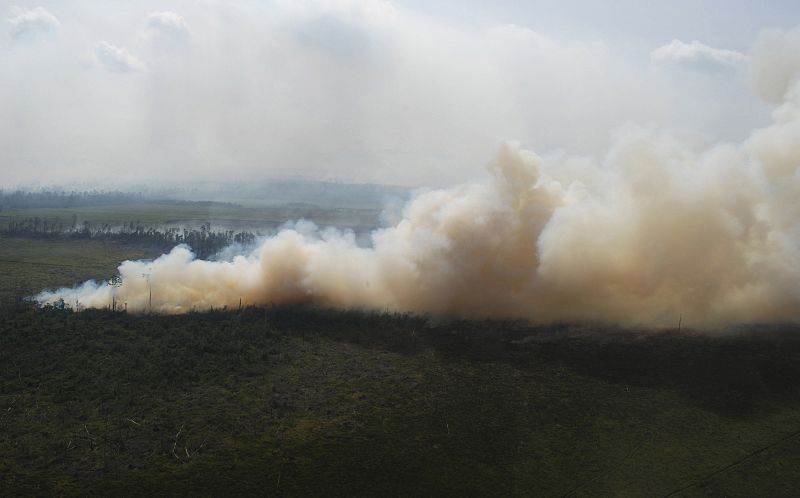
(408, 92)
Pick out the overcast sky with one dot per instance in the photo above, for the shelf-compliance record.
(409, 92)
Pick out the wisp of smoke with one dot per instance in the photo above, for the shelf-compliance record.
(653, 232)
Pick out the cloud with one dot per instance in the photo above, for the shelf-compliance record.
(698, 55)
(167, 22)
(117, 59)
(32, 23)
(344, 90)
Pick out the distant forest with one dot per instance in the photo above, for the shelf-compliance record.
(205, 242)
(280, 192)
(21, 199)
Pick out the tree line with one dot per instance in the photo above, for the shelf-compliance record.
(204, 241)
(21, 199)
(18, 199)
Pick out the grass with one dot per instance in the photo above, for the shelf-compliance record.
(28, 266)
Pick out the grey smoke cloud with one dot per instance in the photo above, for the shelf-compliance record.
(354, 90)
(776, 64)
(653, 232)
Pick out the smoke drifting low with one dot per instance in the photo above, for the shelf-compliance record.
(654, 231)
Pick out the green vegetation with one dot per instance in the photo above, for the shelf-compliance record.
(297, 401)
(27, 266)
(293, 401)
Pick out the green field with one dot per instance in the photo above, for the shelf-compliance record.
(27, 266)
(304, 402)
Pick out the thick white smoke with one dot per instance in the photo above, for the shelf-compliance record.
(654, 232)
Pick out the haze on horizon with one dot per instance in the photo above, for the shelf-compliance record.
(406, 92)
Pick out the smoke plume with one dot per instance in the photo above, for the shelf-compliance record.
(654, 231)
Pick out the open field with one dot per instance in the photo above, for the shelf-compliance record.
(294, 401)
(28, 266)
